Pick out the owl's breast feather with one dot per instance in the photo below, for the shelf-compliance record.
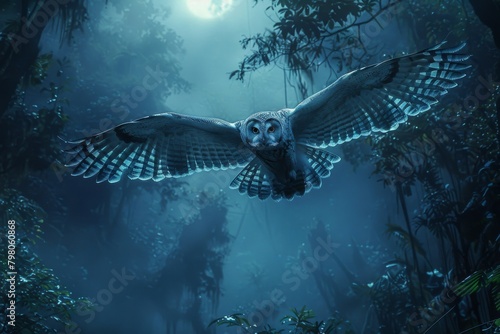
(281, 162)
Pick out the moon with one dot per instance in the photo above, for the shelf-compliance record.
(208, 9)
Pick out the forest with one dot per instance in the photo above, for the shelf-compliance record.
(404, 237)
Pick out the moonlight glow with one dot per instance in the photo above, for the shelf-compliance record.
(208, 9)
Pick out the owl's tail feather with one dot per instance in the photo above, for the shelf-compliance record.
(320, 163)
(256, 180)
(253, 180)
(317, 164)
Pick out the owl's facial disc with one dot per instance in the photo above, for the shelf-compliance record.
(264, 135)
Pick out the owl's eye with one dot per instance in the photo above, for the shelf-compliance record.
(255, 130)
(271, 129)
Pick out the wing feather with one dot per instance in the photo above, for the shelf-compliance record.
(157, 147)
(118, 165)
(377, 98)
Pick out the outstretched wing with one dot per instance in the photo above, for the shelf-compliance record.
(377, 98)
(159, 146)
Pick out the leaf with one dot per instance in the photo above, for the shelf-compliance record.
(471, 284)
(235, 319)
(233, 73)
(494, 275)
(496, 296)
(404, 238)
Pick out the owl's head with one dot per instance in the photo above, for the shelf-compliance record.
(263, 131)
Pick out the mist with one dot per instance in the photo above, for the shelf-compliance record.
(176, 255)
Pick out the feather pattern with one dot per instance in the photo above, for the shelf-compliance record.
(377, 98)
(257, 180)
(280, 151)
(157, 147)
(253, 180)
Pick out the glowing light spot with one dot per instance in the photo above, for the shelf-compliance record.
(209, 9)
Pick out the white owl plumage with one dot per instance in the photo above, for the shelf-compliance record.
(281, 152)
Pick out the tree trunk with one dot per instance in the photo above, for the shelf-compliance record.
(488, 11)
(20, 50)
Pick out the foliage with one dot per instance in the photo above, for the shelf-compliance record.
(481, 279)
(70, 18)
(33, 132)
(307, 34)
(39, 70)
(232, 320)
(20, 60)
(108, 62)
(185, 279)
(404, 239)
(130, 70)
(66, 18)
(42, 304)
(448, 157)
(301, 321)
(422, 16)
(125, 51)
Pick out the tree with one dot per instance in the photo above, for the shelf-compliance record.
(19, 41)
(42, 304)
(307, 35)
(449, 155)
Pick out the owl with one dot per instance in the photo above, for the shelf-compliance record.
(282, 153)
